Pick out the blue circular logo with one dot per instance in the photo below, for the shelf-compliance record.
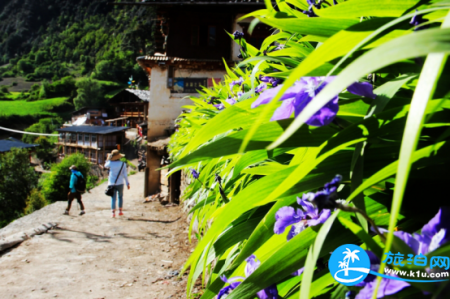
(349, 264)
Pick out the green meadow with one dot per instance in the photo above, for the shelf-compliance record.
(23, 108)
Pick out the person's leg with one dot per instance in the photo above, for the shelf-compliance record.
(70, 197)
(120, 191)
(113, 202)
(78, 197)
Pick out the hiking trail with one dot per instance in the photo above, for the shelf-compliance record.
(137, 255)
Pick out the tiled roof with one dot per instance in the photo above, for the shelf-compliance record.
(6, 145)
(92, 129)
(142, 94)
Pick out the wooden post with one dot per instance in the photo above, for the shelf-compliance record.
(96, 151)
(104, 145)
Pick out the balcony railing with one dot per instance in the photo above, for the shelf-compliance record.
(132, 114)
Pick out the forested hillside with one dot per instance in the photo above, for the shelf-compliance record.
(51, 39)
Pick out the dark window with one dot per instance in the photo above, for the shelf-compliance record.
(194, 35)
(211, 36)
(203, 36)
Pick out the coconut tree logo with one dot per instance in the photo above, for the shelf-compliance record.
(349, 264)
(349, 256)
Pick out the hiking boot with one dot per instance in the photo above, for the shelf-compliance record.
(113, 215)
(82, 213)
(66, 212)
(120, 213)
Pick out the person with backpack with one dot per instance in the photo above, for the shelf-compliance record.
(77, 187)
(117, 174)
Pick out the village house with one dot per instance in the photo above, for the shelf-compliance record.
(192, 44)
(88, 116)
(94, 142)
(130, 106)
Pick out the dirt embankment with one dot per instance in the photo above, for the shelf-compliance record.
(137, 255)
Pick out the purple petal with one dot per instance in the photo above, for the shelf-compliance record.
(219, 106)
(387, 287)
(284, 111)
(324, 116)
(266, 96)
(307, 205)
(296, 229)
(298, 272)
(437, 240)
(324, 215)
(224, 291)
(260, 88)
(409, 240)
(364, 89)
(268, 293)
(231, 101)
(438, 222)
(252, 265)
(286, 216)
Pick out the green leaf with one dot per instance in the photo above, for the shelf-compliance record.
(426, 86)
(408, 46)
(366, 8)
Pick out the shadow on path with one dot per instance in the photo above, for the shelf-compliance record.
(152, 220)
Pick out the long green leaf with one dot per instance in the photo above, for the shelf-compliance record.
(428, 79)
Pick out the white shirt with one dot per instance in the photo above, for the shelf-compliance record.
(114, 168)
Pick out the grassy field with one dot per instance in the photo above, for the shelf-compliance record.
(29, 108)
(21, 84)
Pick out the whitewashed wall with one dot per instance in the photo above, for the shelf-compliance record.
(165, 107)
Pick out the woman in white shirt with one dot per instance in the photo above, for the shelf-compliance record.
(117, 174)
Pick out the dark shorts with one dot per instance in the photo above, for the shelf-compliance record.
(71, 196)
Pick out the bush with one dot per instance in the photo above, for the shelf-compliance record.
(56, 184)
(35, 201)
(17, 179)
(92, 182)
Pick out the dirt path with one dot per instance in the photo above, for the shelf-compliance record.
(95, 256)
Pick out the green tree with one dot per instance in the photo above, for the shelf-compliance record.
(90, 94)
(35, 201)
(17, 179)
(56, 184)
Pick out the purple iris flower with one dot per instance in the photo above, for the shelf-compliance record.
(274, 81)
(417, 20)
(270, 292)
(238, 34)
(260, 87)
(387, 287)
(240, 94)
(231, 101)
(219, 106)
(316, 210)
(310, 13)
(297, 97)
(310, 216)
(236, 82)
(433, 234)
(194, 173)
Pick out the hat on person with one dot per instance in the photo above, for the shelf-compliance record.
(115, 155)
(73, 167)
